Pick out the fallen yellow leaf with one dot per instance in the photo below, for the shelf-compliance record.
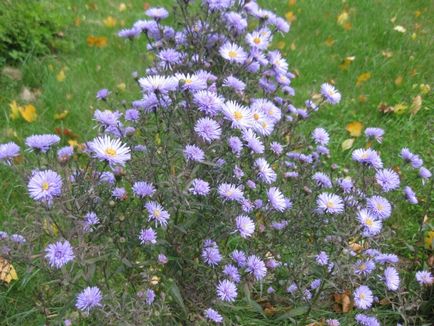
(400, 29)
(400, 108)
(424, 88)
(347, 62)
(281, 45)
(293, 46)
(122, 7)
(416, 105)
(28, 112)
(97, 41)
(363, 78)
(347, 144)
(398, 80)
(354, 128)
(387, 54)
(14, 110)
(61, 75)
(290, 17)
(121, 87)
(292, 2)
(329, 41)
(429, 240)
(7, 271)
(362, 98)
(343, 17)
(61, 115)
(109, 22)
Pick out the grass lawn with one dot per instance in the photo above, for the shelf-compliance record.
(376, 52)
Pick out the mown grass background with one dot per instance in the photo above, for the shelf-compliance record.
(315, 48)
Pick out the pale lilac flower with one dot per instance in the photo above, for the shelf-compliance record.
(227, 291)
(150, 296)
(232, 272)
(8, 152)
(410, 195)
(366, 320)
(208, 102)
(143, 189)
(380, 207)
(199, 187)
(364, 267)
(132, 115)
(371, 225)
(236, 145)
(265, 172)
(208, 129)
(107, 118)
(368, 157)
(88, 299)
(256, 267)
(110, 150)
(120, 193)
(391, 278)
(240, 116)
(129, 33)
(424, 173)
(322, 258)
(276, 148)
(330, 93)
(193, 153)
(148, 236)
(59, 254)
(386, 258)
(211, 255)
(162, 259)
(245, 226)
(157, 213)
(239, 257)
(102, 94)
(322, 180)
(330, 203)
(424, 278)
(190, 82)
(320, 136)
(363, 297)
(157, 13)
(65, 153)
(253, 141)
(213, 315)
(235, 21)
(292, 288)
(42, 143)
(276, 199)
(158, 84)
(44, 186)
(376, 133)
(90, 220)
(333, 322)
(230, 192)
(233, 53)
(234, 83)
(18, 238)
(387, 179)
(258, 39)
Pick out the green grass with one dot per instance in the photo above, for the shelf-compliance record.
(88, 69)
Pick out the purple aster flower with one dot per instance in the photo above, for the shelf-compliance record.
(157, 213)
(44, 186)
(416, 162)
(234, 83)
(59, 254)
(158, 84)
(190, 82)
(387, 179)
(330, 94)
(157, 13)
(3, 235)
(232, 272)
(208, 129)
(380, 207)
(110, 150)
(143, 189)
(245, 226)
(410, 195)
(406, 154)
(368, 157)
(239, 257)
(90, 220)
(239, 115)
(320, 136)
(376, 133)
(278, 63)
(424, 278)
(129, 33)
(102, 94)
(259, 39)
(322, 258)
(386, 258)
(64, 154)
(199, 187)
(279, 225)
(132, 115)
(364, 267)
(366, 320)
(281, 25)
(42, 143)
(276, 148)
(253, 141)
(88, 299)
(265, 172)
(322, 180)
(162, 259)
(233, 53)
(307, 295)
(107, 177)
(213, 315)
(120, 193)
(150, 296)
(227, 291)
(193, 153)
(230, 192)
(333, 322)
(235, 22)
(363, 297)
(330, 203)
(148, 236)
(17, 238)
(208, 102)
(371, 225)
(256, 267)
(292, 288)
(391, 278)
(276, 199)
(236, 145)
(211, 254)
(346, 184)
(8, 152)
(424, 173)
(251, 184)
(315, 284)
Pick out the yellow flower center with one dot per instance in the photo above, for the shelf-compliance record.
(380, 207)
(369, 222)
(330, 204)
(157, 213)
(232, 54)
(110, 151)
(188, 81)
(362, 267)
(256, 40)
(238, 115)
(256, 116)
(362, 296)
(45, 186)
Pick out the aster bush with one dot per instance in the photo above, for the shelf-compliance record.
(203, 198)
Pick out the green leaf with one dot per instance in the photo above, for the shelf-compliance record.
(176, 294)
(297, 311)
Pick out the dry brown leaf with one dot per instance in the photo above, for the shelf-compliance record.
(12, 73)
(109, 22)
(400, 29)
(398, 80)
(363, 98)
(387, 54)
(7, 271)
(345, 64)
(385, 108)
(329, 41)
(416, 105)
